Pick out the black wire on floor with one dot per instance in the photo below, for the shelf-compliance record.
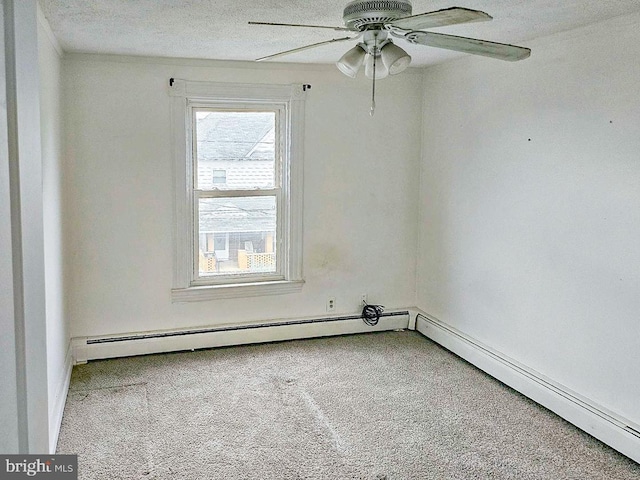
(371, 314)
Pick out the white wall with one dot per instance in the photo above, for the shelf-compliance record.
(360, 233)
(58, 360)
(530, 208)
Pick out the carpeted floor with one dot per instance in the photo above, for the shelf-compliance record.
(376, 406)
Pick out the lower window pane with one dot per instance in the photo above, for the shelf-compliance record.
(237, 236)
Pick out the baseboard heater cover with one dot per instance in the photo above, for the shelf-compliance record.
(617, 432)
(235, 327)
(157, 342)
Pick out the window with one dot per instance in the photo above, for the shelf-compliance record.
(219, 177)
(238, 189)
(243, 210)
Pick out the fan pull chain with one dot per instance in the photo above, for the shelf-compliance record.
(373, 91)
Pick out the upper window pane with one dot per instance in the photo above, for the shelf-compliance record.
(235, 150)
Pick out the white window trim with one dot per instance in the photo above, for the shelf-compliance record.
(183, 94)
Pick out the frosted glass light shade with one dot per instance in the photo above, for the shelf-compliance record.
(394, 58)
(381, 70)
(350, 62)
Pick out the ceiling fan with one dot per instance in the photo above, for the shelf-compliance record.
(377, 22)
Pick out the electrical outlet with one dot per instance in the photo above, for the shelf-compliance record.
(363, 299)
(331, 304)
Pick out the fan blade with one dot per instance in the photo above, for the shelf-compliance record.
(441, 18)
(339, 29)
(501, 51)
(299, 49)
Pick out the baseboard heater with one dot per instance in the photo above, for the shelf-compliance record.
(157, 342)
(614, 430)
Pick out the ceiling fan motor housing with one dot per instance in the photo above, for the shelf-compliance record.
(358, 15)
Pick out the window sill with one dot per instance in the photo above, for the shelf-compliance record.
(237, 290)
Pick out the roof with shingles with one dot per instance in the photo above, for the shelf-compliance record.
(236, 136)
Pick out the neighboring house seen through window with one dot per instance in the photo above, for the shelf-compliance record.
(239, 232)
(242, 211)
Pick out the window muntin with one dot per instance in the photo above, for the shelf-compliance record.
(243, 214)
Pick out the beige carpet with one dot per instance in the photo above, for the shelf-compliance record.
(376, 406)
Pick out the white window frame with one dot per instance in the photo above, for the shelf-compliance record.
(291, 100)
(276, 190)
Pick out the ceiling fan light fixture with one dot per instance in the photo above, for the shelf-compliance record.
(350, 62)
(395, 58)
(381, 70)
(376, 21)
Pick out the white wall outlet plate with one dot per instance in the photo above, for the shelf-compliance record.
(331, 304)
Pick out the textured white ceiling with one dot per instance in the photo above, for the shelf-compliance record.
(216, 29)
